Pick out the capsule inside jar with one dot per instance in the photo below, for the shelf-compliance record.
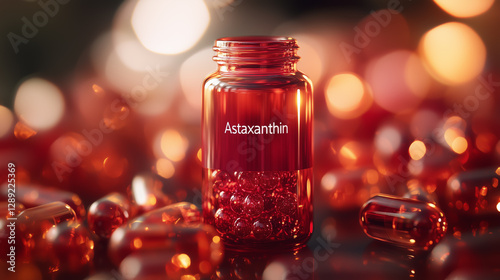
(404, 222)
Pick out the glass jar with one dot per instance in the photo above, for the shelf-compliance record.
(257, 145)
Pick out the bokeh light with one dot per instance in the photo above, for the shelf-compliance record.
(39, 103)
(417, 150)
(170, 26)
(171, 144)
(165, 168)
(398, 81)
(388, 140)
(346, 96)
(192, 72)
(453, 52)
(465, 8)
(310, 61)
(6, 121)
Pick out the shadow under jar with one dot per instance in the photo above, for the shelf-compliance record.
(257, 145)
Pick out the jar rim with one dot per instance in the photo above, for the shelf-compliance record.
(255, 41)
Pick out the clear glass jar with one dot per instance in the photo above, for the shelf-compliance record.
(257, 145)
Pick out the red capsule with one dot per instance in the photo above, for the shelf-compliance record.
(35, 195)
(165, 264)
(475, 193)
(177, 213)
(67, 248)
(32, 224)
(199, 241)
(108, 213)
(404, 222)
(146, 192)
(470, 251)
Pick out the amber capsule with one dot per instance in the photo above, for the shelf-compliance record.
(181, 212)
(165, 264)
(35, 195)
(67, 248)
(404, 222)
(199, 241)
(33, 223)
(146, 192)
(475, 193)
(108, 213)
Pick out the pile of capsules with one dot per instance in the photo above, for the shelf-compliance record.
(142, 234)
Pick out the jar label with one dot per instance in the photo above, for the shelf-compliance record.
(257, 131)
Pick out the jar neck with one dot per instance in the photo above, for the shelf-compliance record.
(256, 55)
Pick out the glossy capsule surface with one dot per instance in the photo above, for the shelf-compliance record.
(146, 193)
(164, 264)
(67, 247)
(32, 224)
(108, 213)
(177, 213)
(35, 195)
(199, 241)
(475, 192)
(404, 222)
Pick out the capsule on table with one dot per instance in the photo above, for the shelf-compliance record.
(67, 248)
(404, 222)
(164, 264)
(199, 241)
(475, 193)
(35, 195)
(146, 192)
(108, 213)
(177, 213)
(471, 251)
(33, 223)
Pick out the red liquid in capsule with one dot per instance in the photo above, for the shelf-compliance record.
(475, 193)
(177, 213)
(108, 213)
(201, 241)
(32, 225)
(67, 248)
(403, 222)
(34, 195)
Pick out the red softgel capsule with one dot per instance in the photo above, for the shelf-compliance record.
(403, 222)
(35, 195)
(200, 242)
(108, 213)
(146, 193)
(177, 213)
(68, 247)
(475, 193)
(32, 225)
